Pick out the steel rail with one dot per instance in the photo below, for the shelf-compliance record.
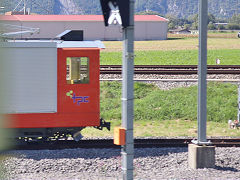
(177, 80)
(176, 66)
(171, 72)
(108, 143)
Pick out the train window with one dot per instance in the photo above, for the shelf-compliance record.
(77, 70)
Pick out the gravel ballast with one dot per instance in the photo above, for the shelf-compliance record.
(149, 163)
(164, 85)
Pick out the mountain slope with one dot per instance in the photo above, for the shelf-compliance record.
(185, 8)
(178, 8)
(66, 7)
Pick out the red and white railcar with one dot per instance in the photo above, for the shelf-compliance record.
(54, 86)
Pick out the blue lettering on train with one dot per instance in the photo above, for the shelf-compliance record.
(77, 99)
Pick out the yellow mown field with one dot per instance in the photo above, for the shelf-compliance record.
(179, 42)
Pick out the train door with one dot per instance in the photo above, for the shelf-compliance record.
(78, 85)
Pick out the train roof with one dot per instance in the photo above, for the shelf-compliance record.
(53, 43)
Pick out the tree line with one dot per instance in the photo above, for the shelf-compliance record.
(191, 22)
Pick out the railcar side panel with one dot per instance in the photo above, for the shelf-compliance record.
(77, 93)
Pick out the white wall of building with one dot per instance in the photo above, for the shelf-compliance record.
(151, 30)
(144, 30)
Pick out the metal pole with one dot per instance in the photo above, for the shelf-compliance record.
(202, 73)
(127, 95)
(24, 7)
(238, 104)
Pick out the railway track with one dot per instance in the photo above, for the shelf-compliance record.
(108, 143)
(172, 69)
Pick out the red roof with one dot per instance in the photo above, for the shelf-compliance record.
(72, 18)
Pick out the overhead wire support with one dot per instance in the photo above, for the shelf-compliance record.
(128, 95)
(202, 74)
(10, 31)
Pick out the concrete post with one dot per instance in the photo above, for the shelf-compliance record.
(201, 156)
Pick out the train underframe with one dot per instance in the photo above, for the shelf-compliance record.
(53, 134)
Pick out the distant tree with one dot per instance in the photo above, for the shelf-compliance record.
(187, 26)
(173, 21)
(148, 13)
(171, 25)
(194, 25)
(232, 26)
(194, 21)
(211, 18)
(182, 22)
(221, 27)
(193, 18)
(235, 19)
(211, 26)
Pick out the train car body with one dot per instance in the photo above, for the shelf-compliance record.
(54, 86)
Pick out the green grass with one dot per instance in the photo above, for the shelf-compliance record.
(176, 57)
(172, 112)
(111, 98)
(170, 128)
(152, 103)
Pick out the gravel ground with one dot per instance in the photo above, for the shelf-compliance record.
(154, 163)
(170, 85)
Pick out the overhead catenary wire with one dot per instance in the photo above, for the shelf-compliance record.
(9, 30)
(17, 5)
(40, 6)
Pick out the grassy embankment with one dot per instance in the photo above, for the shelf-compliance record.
(172, 112)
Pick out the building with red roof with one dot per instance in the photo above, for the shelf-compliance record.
(147, 27)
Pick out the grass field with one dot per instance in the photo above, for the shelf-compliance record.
(174, 44)
(179, 42)
(174, 57)
(154, 104)
(173, 112)
(170, 128)
(177, 50)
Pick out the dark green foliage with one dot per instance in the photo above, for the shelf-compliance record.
(231, 26)
(148, 13)
(235, 19)
(142, 90)
(211, 26)
(222, 102)
(110, 94)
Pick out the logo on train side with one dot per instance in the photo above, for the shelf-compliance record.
(77, 99)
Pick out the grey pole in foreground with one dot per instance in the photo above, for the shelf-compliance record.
(127, 95)
(238, 104)
(202, 73)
